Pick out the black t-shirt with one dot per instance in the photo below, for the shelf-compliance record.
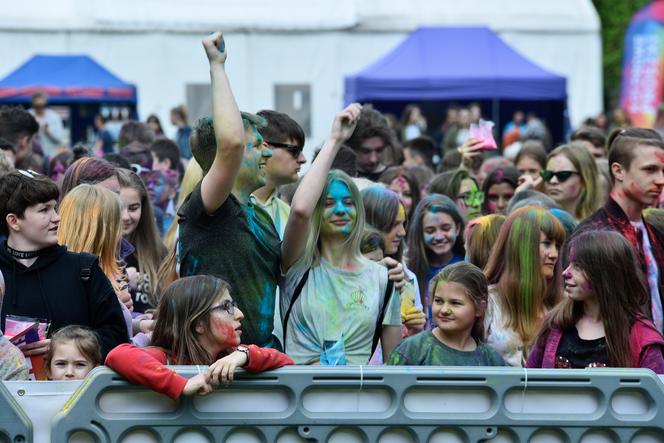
(575, 352)
(239, 244)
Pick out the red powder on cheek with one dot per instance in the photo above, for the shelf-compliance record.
(226, 334)
(660, 156)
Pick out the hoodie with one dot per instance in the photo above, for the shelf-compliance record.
(52, 289)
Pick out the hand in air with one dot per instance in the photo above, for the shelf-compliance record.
(215, 48)
(345, 122)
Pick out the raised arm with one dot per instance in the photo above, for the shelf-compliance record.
(311, 187)
(228, 129)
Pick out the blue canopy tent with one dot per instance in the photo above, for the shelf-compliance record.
(439, 66)
(73, 80)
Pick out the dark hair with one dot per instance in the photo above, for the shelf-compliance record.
(474, 285)
(502, 174)
(418, 257)
(532, 149)
(117, 160)
(613, 271)
(590, 134)
(15, 123)
(203, 141)
(424, 146)
(100, 118)
(381, 207)
(88, 170)
(345, 160)
(164, 148)
(18, 192)
(137, 154)
(135, 132)
(372, 240)
(623, 142)
(280, 127)
(6, 146)
(183, 304)
(373, 124)
(449, 182)
(154, 118)
(85, 340)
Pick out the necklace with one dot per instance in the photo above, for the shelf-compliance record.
(22, 255)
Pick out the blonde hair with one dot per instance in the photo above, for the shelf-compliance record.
(354, 240)
(91, 221)
(192, 176)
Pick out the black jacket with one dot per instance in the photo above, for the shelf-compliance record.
(53, 289)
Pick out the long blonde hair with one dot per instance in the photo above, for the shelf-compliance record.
(91, 221)
(354, 240)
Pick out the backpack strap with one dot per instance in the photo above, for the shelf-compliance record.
(296, 295)
(86, 262)
(379, 323)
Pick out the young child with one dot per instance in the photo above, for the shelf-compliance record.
(198, 323)
(600, 322)
(459, 294)
(74, 352)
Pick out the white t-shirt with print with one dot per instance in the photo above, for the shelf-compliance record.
(336, 312)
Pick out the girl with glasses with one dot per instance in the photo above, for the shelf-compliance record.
(571, 180)
(463, 189)
(198, 323)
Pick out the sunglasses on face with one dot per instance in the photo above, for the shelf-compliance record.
(472, 198)
(226, 305)
(562, 176)
(293, 150)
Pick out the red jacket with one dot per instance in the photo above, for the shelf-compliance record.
(146, 366)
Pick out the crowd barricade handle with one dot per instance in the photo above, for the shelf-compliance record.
(376, 404)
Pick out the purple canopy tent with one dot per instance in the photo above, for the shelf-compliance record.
(457, 64)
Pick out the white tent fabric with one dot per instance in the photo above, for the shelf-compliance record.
(156, 43)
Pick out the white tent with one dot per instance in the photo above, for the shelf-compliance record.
(155, 44)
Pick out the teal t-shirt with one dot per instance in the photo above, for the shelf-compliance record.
(424, 349)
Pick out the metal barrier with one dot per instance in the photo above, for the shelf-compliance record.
(376, 404)
(15, 425)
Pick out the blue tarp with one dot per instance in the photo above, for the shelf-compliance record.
(465, 63)
(66, 79)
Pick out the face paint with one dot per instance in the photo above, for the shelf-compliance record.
(339, 214)
(439, 232)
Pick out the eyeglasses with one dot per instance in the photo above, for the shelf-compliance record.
(293, 150)
(472, 198)
(562, 176)
(227, 305)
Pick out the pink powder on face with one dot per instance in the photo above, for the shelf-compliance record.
(401, 182)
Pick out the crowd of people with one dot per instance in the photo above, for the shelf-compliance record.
(394, 248)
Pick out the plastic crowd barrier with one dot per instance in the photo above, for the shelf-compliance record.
(374, 404)
(15, 425)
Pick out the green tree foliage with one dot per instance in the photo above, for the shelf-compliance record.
(614, 16)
